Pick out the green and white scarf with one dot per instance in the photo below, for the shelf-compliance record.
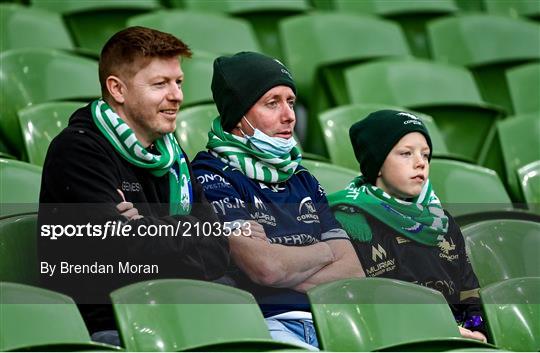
(238, 152)
(171, 159)
(422, 219)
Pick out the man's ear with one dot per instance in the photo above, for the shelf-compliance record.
(116, 88)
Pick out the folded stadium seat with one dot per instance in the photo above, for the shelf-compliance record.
(317, 47)
(18, 252)
(514, 8)
(187, 315)
(30, 76)
(36, 319)
(27, 27)
(41, 123)
(503, 249)
(337, 121)
(92, 23)
(446, 93)
(202, 31)
(529, 178)
(512, 310)
(524, 85)
(197, 81)
(488, 45)
(262, 15)
(20, 184)
(374, 314)
(412, 16)
(331, 177)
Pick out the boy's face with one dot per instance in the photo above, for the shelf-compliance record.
(406, 168)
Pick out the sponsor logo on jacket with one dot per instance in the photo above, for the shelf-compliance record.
(307, 212)
(382, 263)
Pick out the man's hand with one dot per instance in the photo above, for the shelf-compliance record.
(127, 209)
(253, 229)
(466, 333)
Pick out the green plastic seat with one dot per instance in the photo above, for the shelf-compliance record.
(41, 123)
(36, 319)
(198, 72)
(512, 310)
(374, 314)
(411, 15)
(503, 249)
(184, 315)
(18, 252)
(513, 8)
(529, 178)
(337, 122)
(192, 128)
(524, 85)
(331, 177)
(465, 189)
(225, 36)
(27, 27)
(92, 23)
(446, 93)
(31, 76)
(488, 45)
(470, 6)
(317, 60)
(20, 184)
(263, 16)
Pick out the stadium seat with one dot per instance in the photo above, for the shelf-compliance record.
(374, 314)
(488, 45)
(317, 47)
(513, 8)
(331, 177)
(31, 76)
(336, 123)
(187, 315)
(470, 6)
(503, 249)
(263, 16)
(192, 128)
(35, 319)
(198, 72)
(40, 123)
(18, 252)
(27, 27)
(92, 23)
(524, 85)
(465, 189)
(512, 310)
(412, 15)
(20, 184)
(225, 36)
(446, 93)
(529, 178)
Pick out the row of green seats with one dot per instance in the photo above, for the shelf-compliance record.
(350, 315)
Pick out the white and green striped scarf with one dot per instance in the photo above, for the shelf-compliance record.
(422, 219)
(170, 160)
(238, 152)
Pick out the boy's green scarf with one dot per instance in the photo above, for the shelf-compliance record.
(238, 153)
(170, 160)
(422, 219)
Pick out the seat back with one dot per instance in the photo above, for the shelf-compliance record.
(513, 8)
(234, 35)
(529, 178)
(337, 122)
(463, 118)
(503, 249)
(28, 27)
(193, 126)
(30, 76)
(512, 310)
(179, 315)
(331, 177)
(524, 85)
(198, 72)
(18, 249)
(20, 184)
(41, 123)
(377, 313)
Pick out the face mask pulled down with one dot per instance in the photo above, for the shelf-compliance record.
(275, 146)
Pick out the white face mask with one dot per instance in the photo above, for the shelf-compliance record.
(276, 146)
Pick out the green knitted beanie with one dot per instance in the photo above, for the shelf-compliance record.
(240, 80)
(374, 137)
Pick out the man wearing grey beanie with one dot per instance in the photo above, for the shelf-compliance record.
(252, 175)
